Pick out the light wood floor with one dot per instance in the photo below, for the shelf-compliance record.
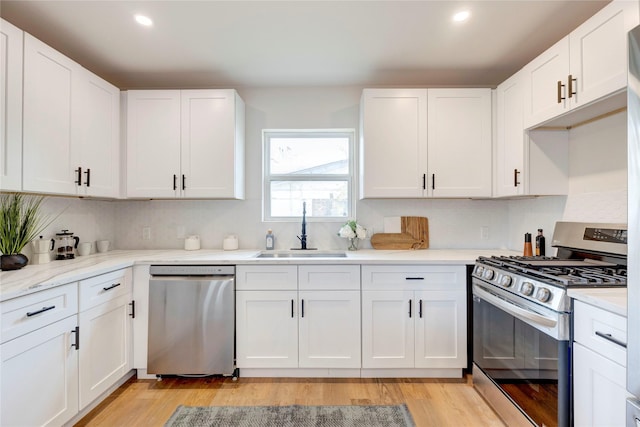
(433, 403)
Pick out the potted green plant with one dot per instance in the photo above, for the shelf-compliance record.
(20, 222)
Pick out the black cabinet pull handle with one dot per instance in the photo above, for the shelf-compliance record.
(409, 309)
(76, 331)
(433, 181)
(184, 182)
(133, 309)
(88, 181)
(608, 337)
(302, 311)
(424, 181)
(42, 310)
(560, 97)
(175, 182)
(420, 309)
(515, 177)
(79, 178)
(572, 89)
(414, 278)
(292, 305)
(108, 288)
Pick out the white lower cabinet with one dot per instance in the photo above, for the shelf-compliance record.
(105, 333)
(279, 326)
(39, 358)
(599, 367)
(40, 377)
(414, 317)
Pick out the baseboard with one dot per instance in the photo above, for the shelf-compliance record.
(349, 373)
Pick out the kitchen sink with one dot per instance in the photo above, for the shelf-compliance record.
(302, 254)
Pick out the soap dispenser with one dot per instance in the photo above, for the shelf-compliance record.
(270, 241)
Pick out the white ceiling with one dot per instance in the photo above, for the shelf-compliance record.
(300, 43)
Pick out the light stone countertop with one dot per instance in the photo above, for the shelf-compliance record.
(611, 299)
(33, 278)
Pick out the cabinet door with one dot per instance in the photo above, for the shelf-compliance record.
(153, 143)
(600, 393)
(266, 329)
(329, 334)
(40, 377)
(545, 93)
(393, 144)
(441, 329)
(10, 106)
(510, 137)
(99, 136)
(212, 150)
(50, 160)
(388, 329)
(459, 143)
(598, 51)
(105, 351)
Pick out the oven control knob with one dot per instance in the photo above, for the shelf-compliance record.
(479, 270)
(488, 274)
(526, 288)
(506, 281)
(543, 295)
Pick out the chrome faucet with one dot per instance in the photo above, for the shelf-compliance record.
(303, 236)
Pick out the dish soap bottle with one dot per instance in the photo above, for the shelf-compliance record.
(540, 243)
(270, 240)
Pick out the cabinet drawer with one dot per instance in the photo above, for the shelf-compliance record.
(25, 314)
(601, 331)
(411, 277)
(329, 277)
(266, 277)
(104, 288)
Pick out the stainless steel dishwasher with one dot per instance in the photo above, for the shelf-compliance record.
(192, 320)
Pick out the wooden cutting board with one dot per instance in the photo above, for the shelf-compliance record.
(414, 235)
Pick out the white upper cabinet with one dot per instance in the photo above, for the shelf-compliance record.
(533, 163)
(11, 39)
(186, 143)
(99, 137)
(71, 126)
(401, 155)
(153, 143)
(50, 161)
(393, 143)
(459, 135)
(588, 64)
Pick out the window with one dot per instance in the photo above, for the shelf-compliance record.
(312, 166)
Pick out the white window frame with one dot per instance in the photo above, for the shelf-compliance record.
(268, 178)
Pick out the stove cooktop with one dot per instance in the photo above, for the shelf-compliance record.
(562, 272)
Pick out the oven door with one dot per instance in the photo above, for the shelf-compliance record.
(524, 352)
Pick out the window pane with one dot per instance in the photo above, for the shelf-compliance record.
(308, 156)
(324, 198)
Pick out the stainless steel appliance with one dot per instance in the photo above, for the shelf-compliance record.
(191, 320)
(633, 219)
(522, 320)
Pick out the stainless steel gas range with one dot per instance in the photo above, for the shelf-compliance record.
(522, 320)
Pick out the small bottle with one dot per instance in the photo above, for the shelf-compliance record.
(528, 250)
(270, 240)
(540, 243)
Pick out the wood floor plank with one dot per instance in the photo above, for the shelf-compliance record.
(432, 403)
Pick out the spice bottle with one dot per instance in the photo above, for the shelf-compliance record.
(540, 243)
(270, 241)
(528, 250)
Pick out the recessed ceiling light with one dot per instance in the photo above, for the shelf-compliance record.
(143, 20)
(461, 16)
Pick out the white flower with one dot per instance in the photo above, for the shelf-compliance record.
(352, 230)
(347, 232)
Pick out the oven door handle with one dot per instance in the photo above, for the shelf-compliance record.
(514, 310)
